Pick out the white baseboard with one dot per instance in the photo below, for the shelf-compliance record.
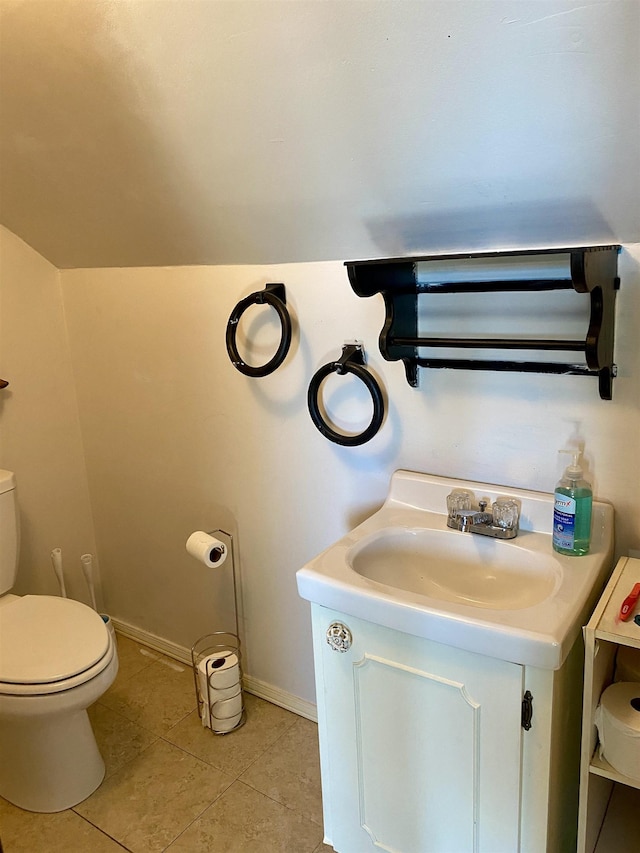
(252, 685)
(158, 644)
(280, 697)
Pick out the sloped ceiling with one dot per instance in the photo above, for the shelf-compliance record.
(165, 132)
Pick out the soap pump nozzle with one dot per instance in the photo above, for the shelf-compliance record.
(574, 471)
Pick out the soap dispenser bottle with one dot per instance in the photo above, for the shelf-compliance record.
(572, 511)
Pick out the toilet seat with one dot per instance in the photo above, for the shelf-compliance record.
(49, 644)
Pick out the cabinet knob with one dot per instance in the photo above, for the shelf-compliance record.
(339, 637)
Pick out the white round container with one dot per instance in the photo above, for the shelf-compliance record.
(617, 718)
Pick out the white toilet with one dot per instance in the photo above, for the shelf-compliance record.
(57, 657)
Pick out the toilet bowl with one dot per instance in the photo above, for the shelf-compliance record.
(57, 657)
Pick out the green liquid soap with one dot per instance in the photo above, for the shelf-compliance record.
(572, 505)
(572, 520)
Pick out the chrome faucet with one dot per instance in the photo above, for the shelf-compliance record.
(483, 522)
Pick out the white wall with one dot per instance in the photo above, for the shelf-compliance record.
(39, 429)
(135, 134)
(176, 439)
(209, 132)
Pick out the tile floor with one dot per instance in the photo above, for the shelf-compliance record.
(619, 833)
(173, 785)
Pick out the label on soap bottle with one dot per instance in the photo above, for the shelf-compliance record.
(564, 521)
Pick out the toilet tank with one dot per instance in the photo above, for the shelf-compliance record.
(8, 531)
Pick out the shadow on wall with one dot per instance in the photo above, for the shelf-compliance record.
(536, 225)
(180, 133)
(5, 395)
(5, 392)
(86, 87)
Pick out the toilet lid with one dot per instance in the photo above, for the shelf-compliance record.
(44, 638)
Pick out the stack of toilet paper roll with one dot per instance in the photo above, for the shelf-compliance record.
(220, 690)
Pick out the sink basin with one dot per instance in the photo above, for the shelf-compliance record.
(467, 569)
(515, 600)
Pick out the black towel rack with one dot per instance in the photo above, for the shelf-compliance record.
(351, 361)
(275, 296)
(590, 270)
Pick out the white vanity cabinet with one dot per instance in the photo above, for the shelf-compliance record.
(423, 749)
(422, 743)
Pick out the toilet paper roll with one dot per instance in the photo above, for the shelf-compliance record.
(227, 708)
(221, 726)
(225, 693)
(219, 676)
(209, 550)
(219, 682)
(222, 670)
(617, 718)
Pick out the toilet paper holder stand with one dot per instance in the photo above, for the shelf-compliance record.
(216, 646)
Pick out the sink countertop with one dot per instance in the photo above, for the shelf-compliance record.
(540, 635)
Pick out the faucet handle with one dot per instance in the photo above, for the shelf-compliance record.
(506, 513)
(458, 501)
(482, 505)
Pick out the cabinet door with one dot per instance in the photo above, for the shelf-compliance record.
(420, 743)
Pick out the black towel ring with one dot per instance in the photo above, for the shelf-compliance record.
(273, 295)
(351, 361)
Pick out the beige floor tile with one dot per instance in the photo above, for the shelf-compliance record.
(132, 658)
(119, 740)
(289, 771)
(155, 698)
(234, 752)
(619, 832)
(244, 821)
(323, 848)
(153, 798)
(63, 832)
